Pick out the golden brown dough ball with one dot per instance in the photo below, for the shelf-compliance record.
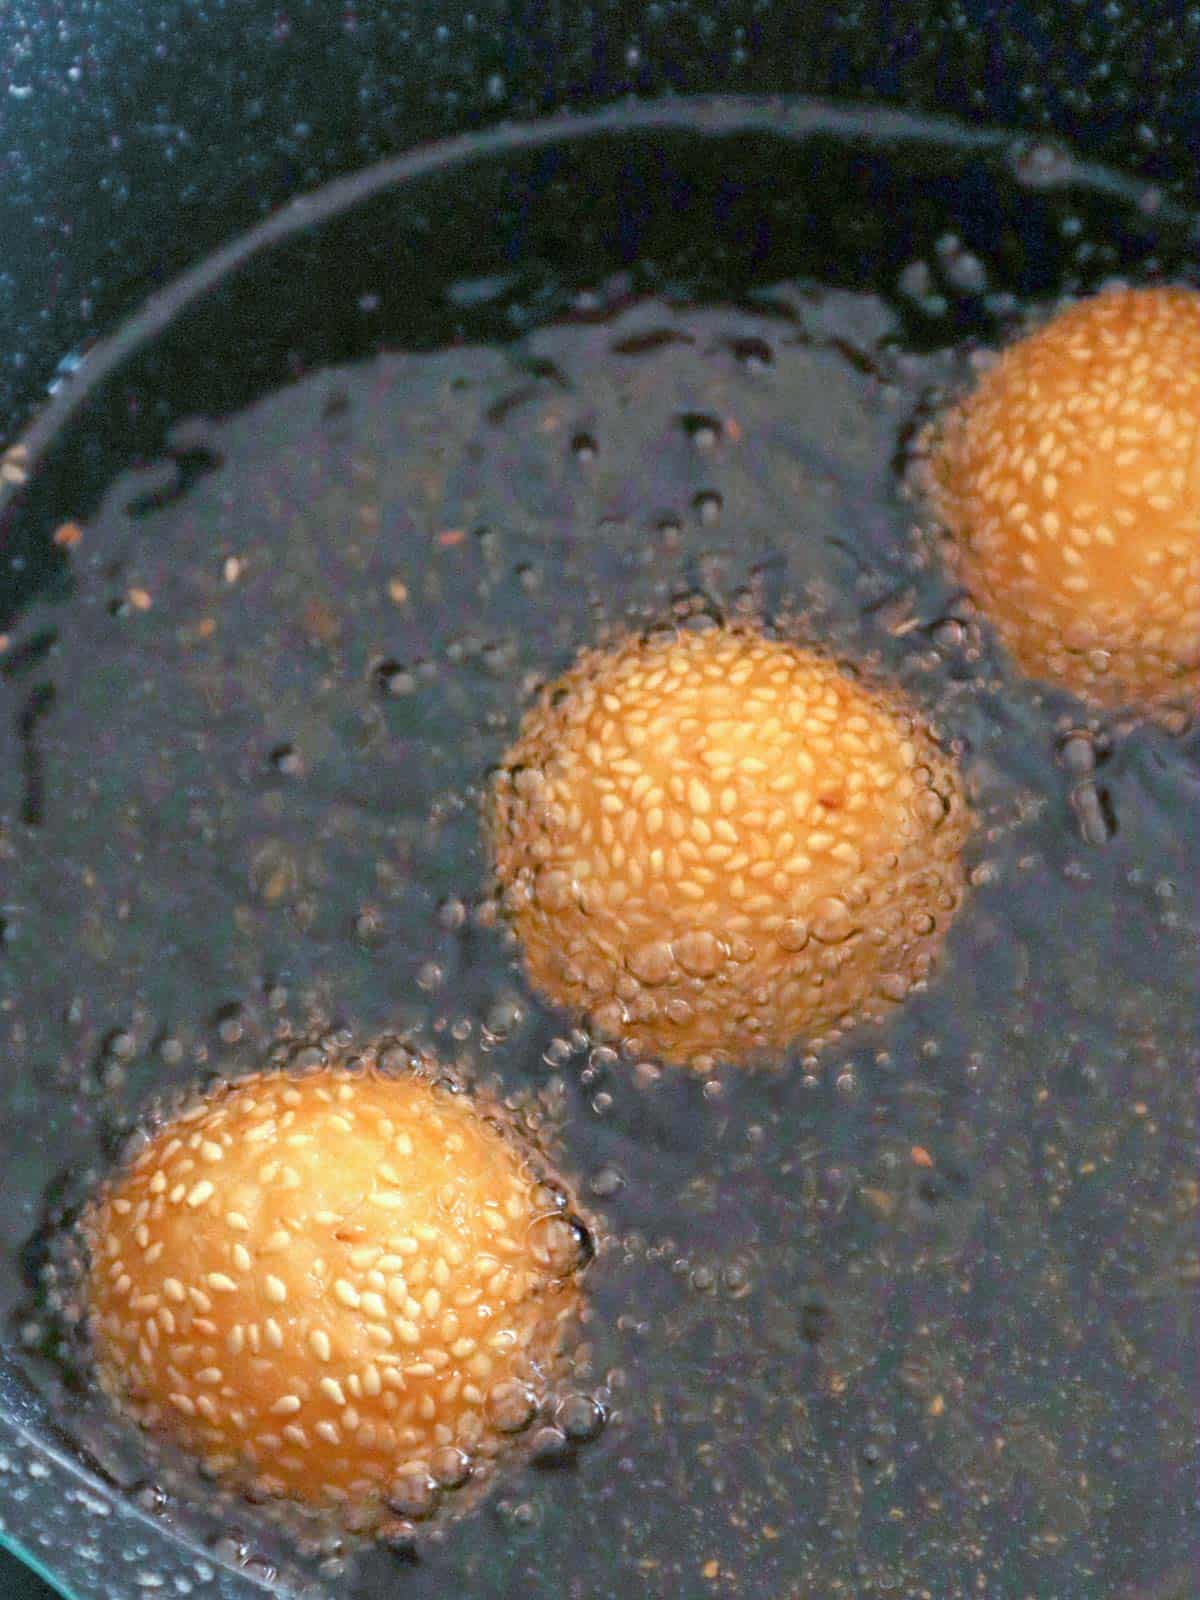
(342, 1287)
(1070, 481)
(714, 844)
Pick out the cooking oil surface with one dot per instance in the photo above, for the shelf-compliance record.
(910, 1315)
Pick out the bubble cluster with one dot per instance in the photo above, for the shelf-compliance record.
(349, 1287)
(713, 843)
(1069, 479)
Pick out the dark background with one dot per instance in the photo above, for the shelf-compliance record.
(135, 138)
(18, 1584)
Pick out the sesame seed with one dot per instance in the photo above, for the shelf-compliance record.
(275, 1290)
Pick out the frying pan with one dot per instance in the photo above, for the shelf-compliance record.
(138, 141)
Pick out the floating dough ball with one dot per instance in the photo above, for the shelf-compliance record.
(346, 1287)
(714, 844)
(1070, 480)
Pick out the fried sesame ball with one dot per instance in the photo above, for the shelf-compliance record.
(1070, 481)
(344, 1287)
(714, 844)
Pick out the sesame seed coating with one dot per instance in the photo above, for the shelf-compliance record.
(1070, 481)
(715, 843)
(302, 1338)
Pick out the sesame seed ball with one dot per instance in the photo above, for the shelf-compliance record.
(716, 843)
(1070, 481)
(326, 1286)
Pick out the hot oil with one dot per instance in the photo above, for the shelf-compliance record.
(910, 1314)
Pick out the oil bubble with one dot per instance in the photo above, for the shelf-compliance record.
(287, 761)
(413, 1495)
(580, 1416)
(231, 1025)
(504, 1017)
(962, 269)
(550, 1447)
(1040, 164)
(561, 1243)
(753, 354)
(557, 1053)
(708, 506)
(606, 1183)
(703, 431)
(511, 1406)
(452, 914)
(450, 1467)
(395, 680)
(1077, 752)
(370, 928)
